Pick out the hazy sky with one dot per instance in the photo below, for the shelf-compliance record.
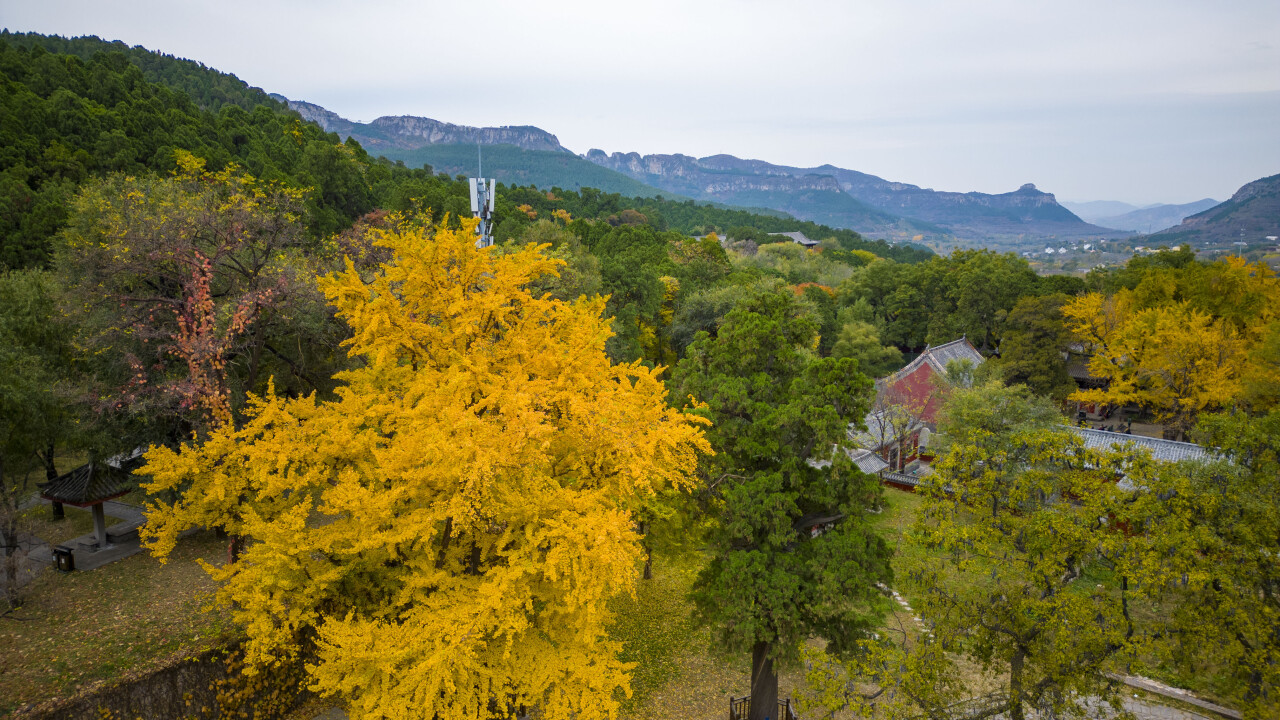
(1142, 101)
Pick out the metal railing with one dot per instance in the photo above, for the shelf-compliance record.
(740, 709)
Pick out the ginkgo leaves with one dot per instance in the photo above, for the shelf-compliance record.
(450, 527)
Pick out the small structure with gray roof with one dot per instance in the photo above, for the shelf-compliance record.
(865, 460)
(92, 484)
(797, 237)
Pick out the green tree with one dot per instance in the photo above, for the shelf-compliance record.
(632, 261)
(1227, 625)
(983, 287)
(771, 583)
(1032, 561)
(580, 274)
(1035, 341)
(860, 341)
(703, 311)
(34, 409)
(993, 412)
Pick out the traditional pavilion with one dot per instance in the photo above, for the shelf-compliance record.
(93, 484)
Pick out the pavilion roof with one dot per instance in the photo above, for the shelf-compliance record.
(95, 482)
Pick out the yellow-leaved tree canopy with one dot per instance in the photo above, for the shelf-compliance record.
(1184, 341)
(446, 533)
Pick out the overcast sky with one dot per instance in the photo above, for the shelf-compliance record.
(1144, 101)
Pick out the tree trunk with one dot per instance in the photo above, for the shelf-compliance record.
(444, 542)
(1015, 685)
(50, 469)
(255, 357)
(234, 549)
(764, 684)
(9, 499)
(648, 552)
(11, 558)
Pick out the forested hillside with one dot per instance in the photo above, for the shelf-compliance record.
(67, 120)
(208, 87)
(1252, 214)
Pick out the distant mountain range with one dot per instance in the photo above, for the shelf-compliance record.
(751, 183)
(825, 194)
(1156, 217)
(1094, 210)
(881, 205)
(1146, 219)
(1251, 215)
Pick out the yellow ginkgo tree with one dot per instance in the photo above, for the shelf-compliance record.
(1173, 360)
(441, 539)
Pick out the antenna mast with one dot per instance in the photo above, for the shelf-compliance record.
(483, 192)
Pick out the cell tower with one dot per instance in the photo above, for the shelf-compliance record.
(482, 194)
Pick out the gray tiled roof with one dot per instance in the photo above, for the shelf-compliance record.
(866, 461)
(1166, 450)
(960, 349)
(797, 237)
(938, 357)
(87, 484)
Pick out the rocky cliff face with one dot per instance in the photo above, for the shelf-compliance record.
(698, 179)
(418, 131)
(410, 132)
(327, 119)
(970, 215)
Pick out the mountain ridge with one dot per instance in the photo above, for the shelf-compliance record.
(410, 132)
(1155, 218)
(827, 194)
(1250, 215)
(969, 216)
(808, 196)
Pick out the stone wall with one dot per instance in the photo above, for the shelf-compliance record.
(205, 686)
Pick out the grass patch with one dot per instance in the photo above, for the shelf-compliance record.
(894, 523)
(680, 671)
(656, 628)
(39, 521)
(79, 628)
